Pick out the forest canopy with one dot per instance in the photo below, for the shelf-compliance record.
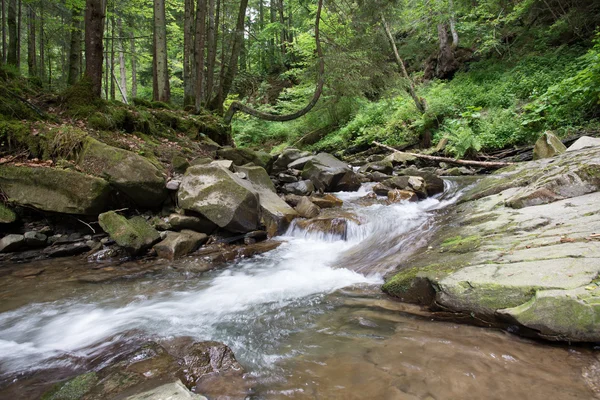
(481, 74)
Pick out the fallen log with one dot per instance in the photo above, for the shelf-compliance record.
(468, 163)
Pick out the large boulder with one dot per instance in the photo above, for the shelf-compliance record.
(286, 158)
(54, 190)
(245, 156)
(433, 183)
(134, 235)
(275, 213)
(307, 209)
(220, 196)
(548, 146)
(329, 174)
(129, 173)
(384, 167)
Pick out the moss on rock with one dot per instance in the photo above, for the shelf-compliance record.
(55, 190)
(73, 389)
(134, 235)
(7, 216)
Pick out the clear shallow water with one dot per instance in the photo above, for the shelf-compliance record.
(307, 319)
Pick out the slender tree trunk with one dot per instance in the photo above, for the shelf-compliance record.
(107, 76)
(411, 86)
(19, 33)
(4, 31)
(94, 34)
(229, 76)
(133, 66)
(42, 67)
(283, 38)
(446, 63)
(12, 33)
(113, 91)
(31, 44)
(162, 90)
(188, 46)
(75, 46)
(211, 39)
(199, 52)
(122, 67)
(261, 26)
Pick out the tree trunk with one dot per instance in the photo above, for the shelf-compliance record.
(283, 39)
(111, 75)
(161, 67)
(199, 52)
(4, 31)
(31, 44)
(11, 57)
(42, 67)
(419, 103)
(188, 46)
(446, 63)
(75, 47)
(19, 33)
(212, 50)
(133, 66)
(122, 67)
(455, 38)
(237, 106)
(95, 13)
(229, 76)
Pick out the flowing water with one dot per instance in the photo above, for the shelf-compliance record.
(307, 320)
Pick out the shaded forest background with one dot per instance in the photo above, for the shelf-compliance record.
(475, 75)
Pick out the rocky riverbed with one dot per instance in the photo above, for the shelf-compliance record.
(518, 252)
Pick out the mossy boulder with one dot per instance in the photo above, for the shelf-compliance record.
(134, 235)
(220, 196)
(129, 173)
(329, 174)
(245, 156)
(54, 190)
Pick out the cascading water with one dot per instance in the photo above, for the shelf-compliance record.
(294, 303)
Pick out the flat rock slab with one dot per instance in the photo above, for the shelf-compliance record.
(170, 391)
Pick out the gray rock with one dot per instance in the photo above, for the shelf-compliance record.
(245, 156)
(287, 157)
(300, 163)
(584, 142)
(179, 244)
(170, 391)
(275, 213)
(329, 174)
(35, 239)
(549, 145)
(221, 197)
(400, 158)
(384, 167)
(173, 185)
(285, 178)
(302, 188)
(307, 209)
(180, 222)
(12, 243)
(433, 183)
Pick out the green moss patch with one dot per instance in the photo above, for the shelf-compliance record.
(458, 244)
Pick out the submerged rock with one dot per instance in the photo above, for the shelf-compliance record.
(396, 196)
(129, 173)
(169, 391)
(549, 145)
(134, 235)
(54, 190)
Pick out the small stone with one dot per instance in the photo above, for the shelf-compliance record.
(35, 239)
(11, 243)
(173, 185)
(326, 201)
(285, 178)
(180, 222)
(241, 175)
(396, 196)
(259, 236)
(178, 244)
(302, 188)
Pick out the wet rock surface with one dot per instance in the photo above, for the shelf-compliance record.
(534, 267)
